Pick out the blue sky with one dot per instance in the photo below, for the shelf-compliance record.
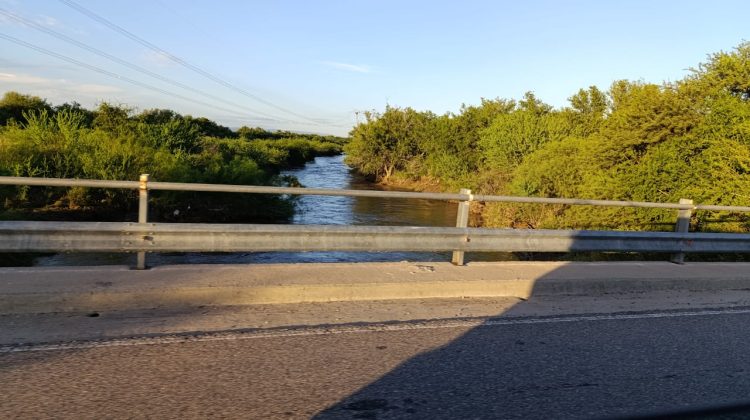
(312, 65)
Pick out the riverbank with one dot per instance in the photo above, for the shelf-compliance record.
(321, 172)
(113, 142)
(401, 182)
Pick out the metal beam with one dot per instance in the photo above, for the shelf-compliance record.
(462, 221)
(261, 189)
(169, 237)
(67, 182)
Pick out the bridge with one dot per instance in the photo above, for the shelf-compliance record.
(34, 289)
(371, 340)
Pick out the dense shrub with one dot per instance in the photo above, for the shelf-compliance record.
(113, 143)
(636, 141)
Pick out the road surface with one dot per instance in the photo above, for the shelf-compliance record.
(586, 365)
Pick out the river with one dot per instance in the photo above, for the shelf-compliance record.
(323, 172)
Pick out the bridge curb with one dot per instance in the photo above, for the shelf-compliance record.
(80, 289)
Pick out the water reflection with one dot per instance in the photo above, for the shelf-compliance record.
(331, 172)
(324, 172)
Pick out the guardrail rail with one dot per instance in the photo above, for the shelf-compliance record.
(143, 237)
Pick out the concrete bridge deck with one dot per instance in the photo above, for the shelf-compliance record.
(66, 289)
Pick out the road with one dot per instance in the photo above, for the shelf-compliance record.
(556, 366)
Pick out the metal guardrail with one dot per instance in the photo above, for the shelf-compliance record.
(261, 189)
(195, 237)
(145, 237)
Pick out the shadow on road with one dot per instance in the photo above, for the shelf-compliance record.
(606, 366)
(511, 364)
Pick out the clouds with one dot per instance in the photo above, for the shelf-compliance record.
(356, 68)
(93, 89)
(9, 18)
(23, 79)
(54, 88)
(158, 59)
(45, 20)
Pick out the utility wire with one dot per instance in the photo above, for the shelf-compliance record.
(125, 63)
(86, 12)
(111, 74)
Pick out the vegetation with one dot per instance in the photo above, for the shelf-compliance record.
(636, 141)
(114, 142)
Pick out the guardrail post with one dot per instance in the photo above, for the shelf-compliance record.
(462, 221)
(142, 215)
(682, 226)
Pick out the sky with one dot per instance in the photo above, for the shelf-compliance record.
(315, 66)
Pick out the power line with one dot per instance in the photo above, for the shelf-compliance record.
(90, 14)
(111, 74)
(125, 63)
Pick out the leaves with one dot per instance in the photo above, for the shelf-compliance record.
(637, 141)
(112, 143)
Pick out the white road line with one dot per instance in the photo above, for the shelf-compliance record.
(317, 331)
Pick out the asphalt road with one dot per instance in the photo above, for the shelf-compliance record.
(589, 366)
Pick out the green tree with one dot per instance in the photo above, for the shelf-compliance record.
(75, 107)
(452, 149)
(210, 128)
(587, 112)
(112, 118)
(14, 105)
(515, 135)
(248, 133)
(158, 116)
(387, 142)
(726, 71)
